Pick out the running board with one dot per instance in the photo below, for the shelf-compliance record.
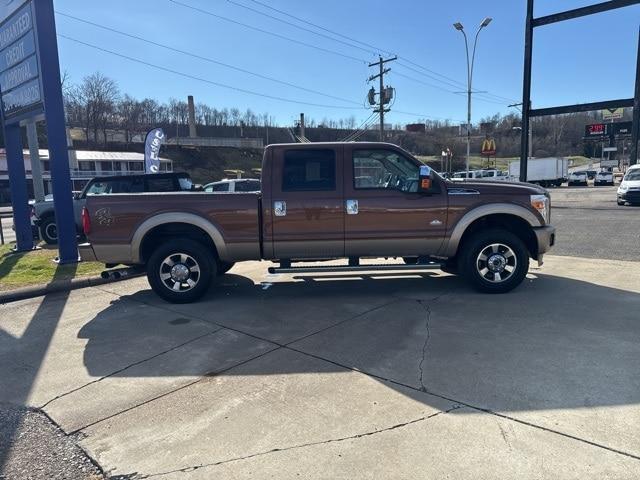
(355, 268)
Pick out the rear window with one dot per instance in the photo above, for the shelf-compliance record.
(309, 170)
(120, 185)
(160, 184)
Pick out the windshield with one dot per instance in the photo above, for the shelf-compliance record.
(632, 175)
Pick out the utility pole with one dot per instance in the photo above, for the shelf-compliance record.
(382, 97)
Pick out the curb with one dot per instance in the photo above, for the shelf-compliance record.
(65, 286)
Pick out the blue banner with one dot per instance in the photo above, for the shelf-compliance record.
(155, 139)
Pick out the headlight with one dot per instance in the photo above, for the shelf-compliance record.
(543, 205)
(623, 187)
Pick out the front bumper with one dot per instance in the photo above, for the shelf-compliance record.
(546, 237)
(631, 196)
(86, 253)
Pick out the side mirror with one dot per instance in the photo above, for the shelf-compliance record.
(425, 181)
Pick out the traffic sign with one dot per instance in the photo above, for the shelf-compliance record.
(612, 113)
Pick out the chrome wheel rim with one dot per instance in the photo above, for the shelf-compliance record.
(179, 272)
(496, 263)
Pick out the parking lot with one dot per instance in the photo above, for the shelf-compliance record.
(366, 375)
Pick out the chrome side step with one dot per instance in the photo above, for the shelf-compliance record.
(355, 268)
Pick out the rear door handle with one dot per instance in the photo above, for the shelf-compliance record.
(352, 207)
(280, 208)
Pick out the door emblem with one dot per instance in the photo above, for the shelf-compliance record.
(280, 208)
(352, 207)
(435, 222)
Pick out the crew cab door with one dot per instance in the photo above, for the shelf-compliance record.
(385, 214)
(307, 211)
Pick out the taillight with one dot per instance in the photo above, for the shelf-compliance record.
(86, 221)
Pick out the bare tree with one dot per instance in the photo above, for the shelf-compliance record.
(97, 96)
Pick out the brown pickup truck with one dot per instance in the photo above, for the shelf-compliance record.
(326, 201)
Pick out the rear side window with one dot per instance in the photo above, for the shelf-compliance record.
(160, 185)
(309, 170)
(218, 187)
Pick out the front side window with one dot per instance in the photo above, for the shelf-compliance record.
(309, 170)
(384, 169)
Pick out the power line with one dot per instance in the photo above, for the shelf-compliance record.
(267, 32)
(206, 59)
(300, 27)
(377, 49)
(447, 80)
(444, 89)
(204, 80)
(432, 74)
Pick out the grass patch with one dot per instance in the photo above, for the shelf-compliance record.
(37, 267)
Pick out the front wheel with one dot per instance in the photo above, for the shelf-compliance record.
(180, 271)
(494, 261)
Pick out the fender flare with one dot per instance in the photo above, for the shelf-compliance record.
(451, 247)
(174, 217)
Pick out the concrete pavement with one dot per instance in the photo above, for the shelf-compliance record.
(342, 376)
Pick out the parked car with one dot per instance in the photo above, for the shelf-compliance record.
(604, 177)
(326, 201)
(494, 175)
(233, 185)
(629, 189)
(154, 182)
(469, 174)
(578, 178)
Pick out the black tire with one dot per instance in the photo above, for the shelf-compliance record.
(224, 267)
(621, 202)
(184, 261)
(501, 250)
(49, 231)
(450, 267)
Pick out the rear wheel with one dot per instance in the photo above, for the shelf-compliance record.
(49, 231)
(494, 261)
(180, 271)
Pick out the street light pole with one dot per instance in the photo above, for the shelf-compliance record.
(458, 26)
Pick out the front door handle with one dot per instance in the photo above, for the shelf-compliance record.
(280, 208)
(352, 207)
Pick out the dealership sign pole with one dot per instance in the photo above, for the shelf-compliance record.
(31, 91)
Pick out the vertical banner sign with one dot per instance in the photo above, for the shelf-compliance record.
(155, 139)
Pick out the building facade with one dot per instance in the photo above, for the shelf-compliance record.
(83, 164)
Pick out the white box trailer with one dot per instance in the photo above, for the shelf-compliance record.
(543, 171)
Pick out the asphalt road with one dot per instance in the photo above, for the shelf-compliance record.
(590, 224)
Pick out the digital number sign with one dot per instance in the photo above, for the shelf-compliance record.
(20, 84)
(596, 130)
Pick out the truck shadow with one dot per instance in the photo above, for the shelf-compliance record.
(553, 343)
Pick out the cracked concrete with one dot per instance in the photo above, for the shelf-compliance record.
(194, 468)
